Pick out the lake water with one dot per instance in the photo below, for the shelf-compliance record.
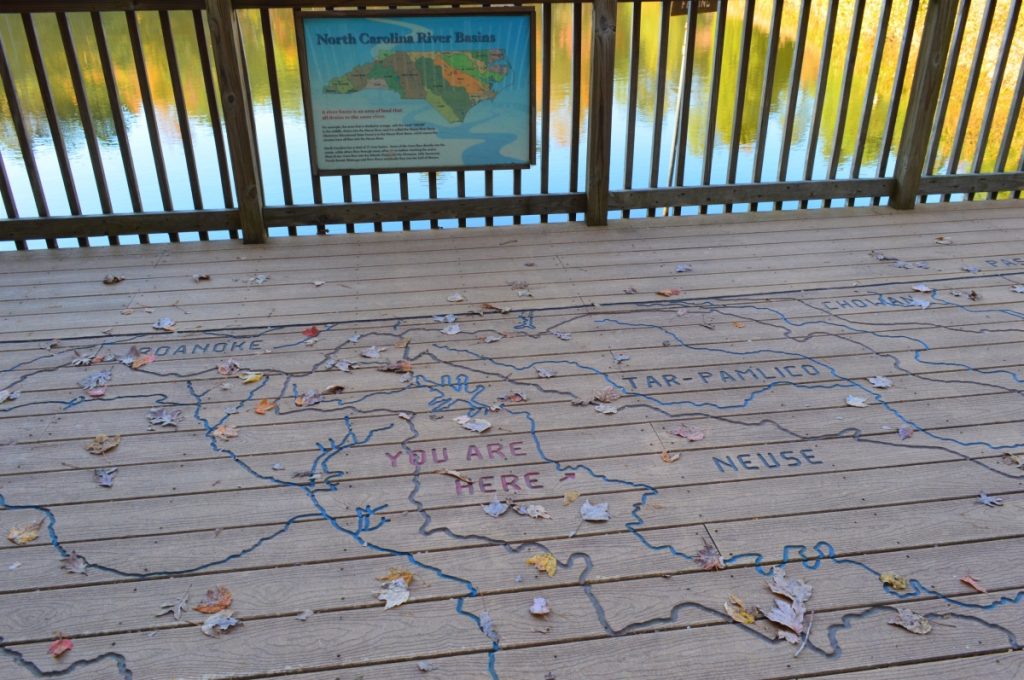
(561, 128)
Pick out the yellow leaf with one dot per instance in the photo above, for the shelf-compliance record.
(250, 377)
(570, 497)
(544, 562)
(25, 534)
(738, 611)
(394, 574)
(893, 580)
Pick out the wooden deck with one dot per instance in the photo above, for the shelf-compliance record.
(782, 318)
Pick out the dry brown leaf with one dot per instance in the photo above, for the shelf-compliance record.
(738, 611)
(454, 473)
(570, 497)
(545, 562)
(264, 406)
(738, 324)
(215, 600)
(489, 307)
(969, 580)
(394, 574)
(400, 366)
(26, 533)
(669, 292)
(102, 443)
(893, 580)
(143, 360)
(667, 457)
(709, 558)
(911, 621)
(225, 432)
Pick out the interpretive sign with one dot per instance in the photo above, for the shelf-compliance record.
(387, 92)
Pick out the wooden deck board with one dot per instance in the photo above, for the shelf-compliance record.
(782, 317)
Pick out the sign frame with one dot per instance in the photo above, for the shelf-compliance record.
(300, 16)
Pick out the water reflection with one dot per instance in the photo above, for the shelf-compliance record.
(563, 88)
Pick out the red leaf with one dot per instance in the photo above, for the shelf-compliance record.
(216, 599)
(60, 646)
(311, 332)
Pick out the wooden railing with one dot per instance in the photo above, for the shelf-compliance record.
(923, 54)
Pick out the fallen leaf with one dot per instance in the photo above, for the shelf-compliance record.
(317, 284)
(74, 563)
(738, 611)
(880, 256)
(667, 457)
(111, 279)
(200, 277)
(25, 534)
(561, 335)
(495, 508)
(488, 339)
(594, 512)
(259, 279)
(487, 626)
(919, 303)
(102, 444)
(225, 432)
(218, 623)
(973, 296)
(311, 332)
(175, 607)
(969, 580)
(228, 367)
(95, 384)
(105, 476)
(395, 593)
(61, 645)
(709, 558)
(989, 501)
(921, 288)
(857, 402)
(454, 473)
(669, 292)
(142, 360)
(688, 433)
(789, 615)
(456, 297)
(607, 409)
(1018, 288)
(911, 621)
(606, 395)
(905, 432)
(545, 562)
(683, 268)
(214, 601)
(943, 241)
(165, 417)
(630, 291)
(473, 424)
(880, 382)
(540, 607)
(619, 358)
(570, 497)
(400, 366)
(7, 395)
(249, 377)
(795, 589)
(452, 329)
(893, 580)
(371, 352)
(545, 372)
(490, 307)
(164, 324)
(304, 615)
(426, 666)
(534, 511)
(970, 269)
(308, 398)
(264, 406)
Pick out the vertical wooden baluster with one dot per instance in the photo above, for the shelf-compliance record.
(577, 66)
(995, 87)
(24, 142)
(1013, 116)
(716, 69)
(794, 92)
(275, 102)
(317, 181)
(212, 105)
(896, 95)
(545, 102)
(845, 87)
(741, 95)
(659, 98)
(10, 207)
(183, 123)
(60, 149)
(947, 87)
(678, 169)
(117, 115)
(869, 96)
(766, 94)
(631, 107)
(85, 114)
(967, 102)
(819, 101)
(599, 128)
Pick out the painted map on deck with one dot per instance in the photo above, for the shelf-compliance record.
(464, 449)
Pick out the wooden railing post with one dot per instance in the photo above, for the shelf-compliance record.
(234, 95)
(599, 134)
(924, 95)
